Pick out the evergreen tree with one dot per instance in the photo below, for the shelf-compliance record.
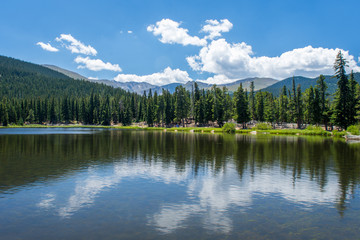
(105, 117)
(209, 109)
(299, 107)
(324, 109)
(65, 110)
(197, 104)
(341, 105)
(242, 107)
(182, 104)
(283, 103)
(352, 99)
(150, 110)
(309, 101)
(252, 101)
(269, 108)
(53, 119)
(292, 103)
(169, 114)
(218, 105)
(259, 106)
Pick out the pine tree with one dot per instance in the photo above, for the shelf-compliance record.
(352, 99)
(150, 110)
(309, 105)
(242, 107)
(53, 119)
(341, 104)
(292, 103)
(252, 101)
(182, 104)
(259, 106)
(209, 109)
(269, 108)
(197, 106)
(283, 103)
(105, 117)
(65, 110)
(299, 107)
(169, 115)
(324, 110)
(218, 105)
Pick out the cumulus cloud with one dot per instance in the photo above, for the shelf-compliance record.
(96, 64)
(47, 47)
(171, 32)
(162, 78)
(215, 28)
(75, 45)
(231, 61)
(130, 31)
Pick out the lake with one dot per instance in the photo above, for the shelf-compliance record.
(121, 184)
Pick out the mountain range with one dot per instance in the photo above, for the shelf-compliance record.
(265, 84)
(140, 87)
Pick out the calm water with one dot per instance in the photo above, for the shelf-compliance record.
(111, 184)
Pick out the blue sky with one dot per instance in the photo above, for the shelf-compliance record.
(175, 41)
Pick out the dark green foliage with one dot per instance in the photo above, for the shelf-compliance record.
(31, 94)
(182, 104)
(242, 107)
(229, 128)
(343, 99)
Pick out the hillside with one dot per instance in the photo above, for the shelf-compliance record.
(305, 83)
(19, 79)
(8, 63)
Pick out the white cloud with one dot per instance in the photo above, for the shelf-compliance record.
(130, 31)
(214, 28)
(47, 47)
(96, 64)
(236, 61)
(167, 76)
(75, 45)
(171, 32)
(93, 78)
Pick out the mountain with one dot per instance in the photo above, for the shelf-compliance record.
(140, 87)
(305, 83)
(19, 79)
(12, 64)
(68, 73)
(259, 83)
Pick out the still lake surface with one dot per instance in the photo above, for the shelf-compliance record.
(121, 184)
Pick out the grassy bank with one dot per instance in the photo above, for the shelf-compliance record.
(312, 132)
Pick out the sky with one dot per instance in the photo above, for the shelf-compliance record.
(162, 42)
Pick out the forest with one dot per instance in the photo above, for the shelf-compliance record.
(32, 94)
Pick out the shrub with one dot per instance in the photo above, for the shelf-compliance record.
(354, 130)
(262, 126)
(337, 133)
(314, 128)
(229, 127)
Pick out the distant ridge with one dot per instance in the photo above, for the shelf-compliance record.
(68, 73)
(305, 83)
(265, 84)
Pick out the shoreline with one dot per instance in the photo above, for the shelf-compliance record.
(296, 132)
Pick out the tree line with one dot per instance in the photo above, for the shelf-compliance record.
(203, 107)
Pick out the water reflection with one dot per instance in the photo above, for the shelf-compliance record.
(215, 174)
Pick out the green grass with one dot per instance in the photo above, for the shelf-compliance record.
(311, 131)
